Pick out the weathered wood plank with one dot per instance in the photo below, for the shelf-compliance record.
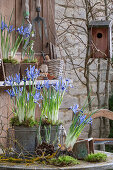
(103, 113)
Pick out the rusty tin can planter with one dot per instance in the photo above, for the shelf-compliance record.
(26, 139)
(11, 69)
(24, 66)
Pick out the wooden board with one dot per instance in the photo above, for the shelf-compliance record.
(47, 12)
(103, 113)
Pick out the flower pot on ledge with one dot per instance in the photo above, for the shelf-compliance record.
(11, 69)
(24, 66)
(25, 139)
(51, 134)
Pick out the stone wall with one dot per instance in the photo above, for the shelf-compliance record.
(71, 47)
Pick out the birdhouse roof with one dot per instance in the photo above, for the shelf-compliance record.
(100, 23)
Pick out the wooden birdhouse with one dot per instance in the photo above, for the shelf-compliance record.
(100, 39)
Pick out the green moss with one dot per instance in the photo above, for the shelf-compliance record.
(14, 121)
(47, 122)
(30, 61)
(64, 161)
(97, 157)
(11, 60)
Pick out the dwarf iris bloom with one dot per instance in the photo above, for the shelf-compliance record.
(80, 119)
(17, 79)
(3, 26)
(11, 92)
(32, 74)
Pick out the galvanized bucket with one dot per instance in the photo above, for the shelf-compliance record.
(25, 138)
(51, 134)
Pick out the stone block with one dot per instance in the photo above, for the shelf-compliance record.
(69, 101)
(95, 133)
(86, 128)
(71, 75)
(93, 66)
(102, 99)
(81, 76)
(111, 76)
(78, 62)
(94, 87)
(103, 65)
(65, 115)
(60, 2)
(103, 76)
(69, 66)
(77, 89)
(96, 124)
(83, 135)
(93, 76)
(83, 98)
(82, 53)
(94, 101)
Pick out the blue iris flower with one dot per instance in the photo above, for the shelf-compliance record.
(74, 109)
(79, 115)
(23, 79)
(63, 87)
(11, 92)
(16, 90)
(3, 25)
(21, 89)
(82, 119)
(56, 86)
(24, 31)
(10, 29)
(90, 121)
(46, 84)
(32, 73)
(9, 80)
(20, 30)
(37, 97)
(39, 86)
(17, 79)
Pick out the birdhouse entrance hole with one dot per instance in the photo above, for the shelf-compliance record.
(99, 35)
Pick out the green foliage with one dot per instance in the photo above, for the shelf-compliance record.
(28, 48)
(14, 121)
(111, 103)
(79, 121)
(30, 61)
(10, 60)
(97, 157)
(5, 37)
(15, 45)
(64, 161)
(52, 98)
(108, 148)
